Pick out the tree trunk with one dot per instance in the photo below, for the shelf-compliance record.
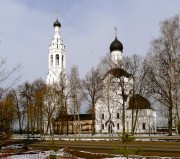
(93, 119)
(170, 121)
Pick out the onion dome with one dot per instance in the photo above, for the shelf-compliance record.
(116, 45)
(139, 102)
(57, 23)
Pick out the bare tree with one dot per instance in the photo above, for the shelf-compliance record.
(8, 77)
(62, 114)
(6, 116)
(50, 108)
(18, 108)
(76, 95)
(26, 91)
(136, 66)
(92, 85)
(163, 65)
(39, 92)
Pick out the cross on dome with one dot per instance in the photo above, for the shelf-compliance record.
(116, 44)
(115, 30)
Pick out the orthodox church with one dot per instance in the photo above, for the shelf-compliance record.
(118, 110)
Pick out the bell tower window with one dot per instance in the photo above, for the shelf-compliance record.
(57, 60)
(51, 60)
(62, 60)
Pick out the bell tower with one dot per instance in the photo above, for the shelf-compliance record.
(56, 57)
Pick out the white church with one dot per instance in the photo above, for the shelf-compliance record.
(118, 110)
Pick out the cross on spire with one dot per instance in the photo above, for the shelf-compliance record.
(115, 30)
(56, 14)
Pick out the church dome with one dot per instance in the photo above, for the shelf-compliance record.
(116, 45)
(118, 72)
(57, 23)
(139, 102)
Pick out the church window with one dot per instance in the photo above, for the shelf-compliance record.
(117, 115)
(57, 60)
(144, 126)
(102, 126)
(102, 116)
(57, 46)
(51, 60)
(117, 126)
(57, 40)
(110, 79)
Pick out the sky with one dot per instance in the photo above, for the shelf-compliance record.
(87, 29)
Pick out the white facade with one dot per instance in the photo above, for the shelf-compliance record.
(56, 57)
(146, 120)
(110, 108)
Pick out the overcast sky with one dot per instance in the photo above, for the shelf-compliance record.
(26, 30)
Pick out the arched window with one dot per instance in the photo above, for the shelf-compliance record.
(57, 59)
(102, 116)
(117, 126)
(62, 60)
(117, 115)
(143, 126)
(51, 60)
(102, 126)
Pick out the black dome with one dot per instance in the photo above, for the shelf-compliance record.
(139, 102)
(57, 23)
(116, 45)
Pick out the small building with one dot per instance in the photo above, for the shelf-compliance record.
(73, 124)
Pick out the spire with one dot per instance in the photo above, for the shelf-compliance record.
(115, 31)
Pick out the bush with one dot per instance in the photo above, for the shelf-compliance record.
(52, 156)
(125, 151)
(126, 138)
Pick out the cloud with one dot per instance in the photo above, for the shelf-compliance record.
(87, 30)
